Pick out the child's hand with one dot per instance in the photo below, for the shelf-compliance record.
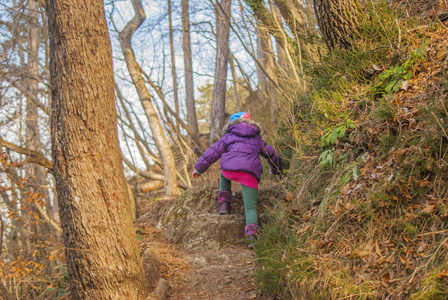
(195, 174)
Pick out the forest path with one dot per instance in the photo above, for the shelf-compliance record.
(227, 273)
(201, 254)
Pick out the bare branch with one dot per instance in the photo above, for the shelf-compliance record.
(144, 174)
(47, 218)
(26, 92)
(152, 176)
(158, 90)
(33, 156)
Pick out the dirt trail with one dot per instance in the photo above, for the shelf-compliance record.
(201, 254)
(221, 274)
(225, 273)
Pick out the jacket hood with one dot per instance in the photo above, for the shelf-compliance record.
(243, 130)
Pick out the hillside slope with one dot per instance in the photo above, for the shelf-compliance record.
(366, 216)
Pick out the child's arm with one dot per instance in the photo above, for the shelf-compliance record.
(273, 158)
(211, 155)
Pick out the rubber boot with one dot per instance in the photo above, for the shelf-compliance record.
(224, 199)
(252, 232)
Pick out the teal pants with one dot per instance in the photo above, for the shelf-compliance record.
(250, 196)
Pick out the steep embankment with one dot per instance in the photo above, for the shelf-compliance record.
(366, 216)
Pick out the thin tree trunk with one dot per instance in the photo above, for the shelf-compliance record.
(101, 248)
(281, 53)
(265, 56)
(235, 84)
(188, 63)
(35, 173)
(173, 61)
(3, 291)
(162, 144)
(217, 117)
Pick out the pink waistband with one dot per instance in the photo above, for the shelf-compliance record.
(242, 177)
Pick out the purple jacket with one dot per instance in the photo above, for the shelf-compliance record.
(240, 149)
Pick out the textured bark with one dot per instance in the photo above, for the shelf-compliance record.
(217, 117)
(265, 56)
(281, 53)
(36, 173)
(188, 63)
(266, 19)
(135, 72)
(235, 84)
(101, 247)
(173, 61)
(338, 21)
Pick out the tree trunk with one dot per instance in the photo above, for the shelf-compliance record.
(162, 144)
(188, 63)
(235, 84)
(101, 247)
(281, 53)
(217, 117)
(338, 21)
(265, 56)
(173, 62)
(37, 174)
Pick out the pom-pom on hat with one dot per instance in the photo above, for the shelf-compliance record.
(239, 115)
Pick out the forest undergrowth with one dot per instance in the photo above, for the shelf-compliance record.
(366, 214)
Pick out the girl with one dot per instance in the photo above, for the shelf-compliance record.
(239, 149)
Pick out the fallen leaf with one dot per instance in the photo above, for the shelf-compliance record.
(377, 249)
(422, 182)
(443, 274)
(386, 278)
(407, 239)
(404, 85)
(345, 189)
(429, 208)
(403, 261)
(360, 254)
(289, 197)
(376, 68)
(406, 193)
(390, 177)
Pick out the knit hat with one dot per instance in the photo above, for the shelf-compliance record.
(238, 115)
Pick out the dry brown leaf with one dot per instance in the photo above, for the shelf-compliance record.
(429, 208)
(360, 254)
(377, 249)
(423, 183)
(386, 278)
(403, 261)
(289, 197)
(406, 193)
(443, 274)
(345, 189)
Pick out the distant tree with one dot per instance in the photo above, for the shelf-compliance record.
(101, 248)
(136, 73)
(222, 57)
(338, 21)
(188, 63)
(36, 174)
(173, 60)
